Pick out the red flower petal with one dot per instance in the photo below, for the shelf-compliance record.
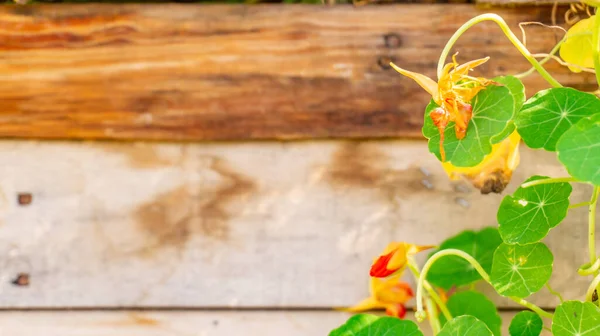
(379, 268)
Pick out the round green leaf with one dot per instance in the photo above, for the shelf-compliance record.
(451, 271)
(550, 113)
(477, 305)
(579, 150)
(521, 270)
(372, 325)
(526, 323)
(528, 214)
(575, 318)
(464, 326)
(492, 109)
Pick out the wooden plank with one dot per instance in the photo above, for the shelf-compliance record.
(525, 2)
(180, 323)
(235, 225)
(190, 72)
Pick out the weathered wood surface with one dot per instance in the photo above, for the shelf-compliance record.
(181, 323)
(187, 72)
(525, 2)
(234, 225)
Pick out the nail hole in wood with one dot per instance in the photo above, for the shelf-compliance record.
(24, 198)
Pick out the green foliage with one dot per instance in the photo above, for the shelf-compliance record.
(526, 323)
(465, 326)
(477, 305)
(528, 214)
(579, 149)
(492, 109)
(451, 271)
(521, 270)
(370, 325)
(575, 318)
(517, 91)
(550, 113)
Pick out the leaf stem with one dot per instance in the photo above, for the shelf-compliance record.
(547, 181)
(543, 61)
(412, 265)
(420, 314)
(531, 306)
(592, 225)
(577, 205)
(555, 293)
(434, 321)
(596, 50)
(509, 34)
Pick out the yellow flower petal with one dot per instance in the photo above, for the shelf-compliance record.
(577, 49)
(425, 82)
(370, 303)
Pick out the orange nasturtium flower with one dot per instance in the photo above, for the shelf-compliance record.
(390, 294)
(495, 171)
(453, 93)
(394, 258)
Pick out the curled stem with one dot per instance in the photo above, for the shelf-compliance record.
(547, 181)
(509, 34)
(420, 313)
(589, 269)
(555, 293)
(412, 265)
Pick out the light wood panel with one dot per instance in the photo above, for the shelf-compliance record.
(234, 225)
(196, 72)
(134, 323)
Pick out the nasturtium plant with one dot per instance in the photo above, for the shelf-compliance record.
(526, 323)
(477, 305)
(465, 326)
(368, 325)
(451, 271)
(521, 270)
(528, 214)
(474, 126)
(550, 113)
(574, 318)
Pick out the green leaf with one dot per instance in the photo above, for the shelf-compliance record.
(521, 270)
(550, 113)
(477, 305)
(492, 109)
(372, 325)
(526, 323)
(579, 150)
(517, 90)
(578, 48)
(465, 326)
(575, 318)
(528, 214)
(449, 271)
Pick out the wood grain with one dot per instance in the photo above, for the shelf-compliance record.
(182, 323)
(253, 225)
(194, 72)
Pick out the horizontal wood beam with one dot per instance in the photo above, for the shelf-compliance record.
(194, 72)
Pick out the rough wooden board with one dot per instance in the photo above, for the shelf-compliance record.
(234, 225)
(178, 323)
(187, 72)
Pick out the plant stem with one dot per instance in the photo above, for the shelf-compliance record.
(511, 36)
(543, 61)
(531, 306)
(589, 270)
(592, 225)
(434, 321)
(596, 50)
(412, 265)
(547, 181)
(419, 315)
(555, 293)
